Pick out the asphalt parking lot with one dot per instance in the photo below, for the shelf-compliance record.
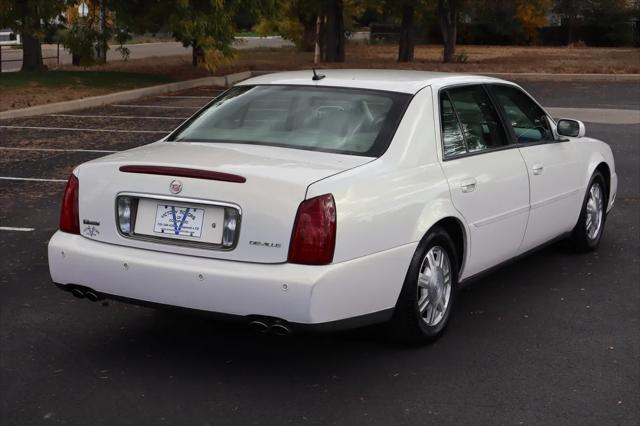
(551, 339)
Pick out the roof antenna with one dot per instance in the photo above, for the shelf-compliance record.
(316, 76)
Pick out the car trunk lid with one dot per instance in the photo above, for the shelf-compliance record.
(264, 184)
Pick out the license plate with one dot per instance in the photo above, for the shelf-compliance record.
(191, 222)
(178, 221)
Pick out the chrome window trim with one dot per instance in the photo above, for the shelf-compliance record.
(179, 200)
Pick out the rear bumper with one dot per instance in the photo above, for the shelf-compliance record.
(300, 294)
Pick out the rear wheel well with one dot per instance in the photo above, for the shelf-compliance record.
(454, 228)
(606, 173)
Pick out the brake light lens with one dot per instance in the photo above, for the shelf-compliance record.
(69, 217)
(313, 239)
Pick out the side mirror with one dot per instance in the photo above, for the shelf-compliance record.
(571, 128)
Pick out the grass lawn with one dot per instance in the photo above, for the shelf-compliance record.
(478, 59)
(24, 89)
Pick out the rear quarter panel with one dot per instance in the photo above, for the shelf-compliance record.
(394, 200)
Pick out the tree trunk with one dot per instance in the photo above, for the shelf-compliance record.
(322, 33)
(194, 53)
(571, 36)
(448, 14)
(334, 43)
(102, 42)
(308, 42)
(31, 53)
(571, 12)
(407, 40)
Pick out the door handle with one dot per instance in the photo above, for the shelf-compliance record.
(468, 185)
(538, 169)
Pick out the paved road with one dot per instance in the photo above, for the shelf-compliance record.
(550, 340)
(138, 51)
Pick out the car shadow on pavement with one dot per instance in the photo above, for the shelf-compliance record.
(183, 338)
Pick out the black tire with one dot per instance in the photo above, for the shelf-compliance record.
(407, 324)
(580, 239)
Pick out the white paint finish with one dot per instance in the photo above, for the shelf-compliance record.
(31, 179)
(66, 129)
(384, 207)
(97, 151)
(313, 295)
(124, 117)
(13, 229)
(395, 199)
(390, 80)
(277, 181)
(556, 173)
(598, 115)
(497, 208)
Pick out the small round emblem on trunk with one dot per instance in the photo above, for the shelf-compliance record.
(175, 186)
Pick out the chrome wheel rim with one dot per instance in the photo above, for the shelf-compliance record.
(595, 211)
(434, 286)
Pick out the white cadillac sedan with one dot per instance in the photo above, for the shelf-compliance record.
(297, 201)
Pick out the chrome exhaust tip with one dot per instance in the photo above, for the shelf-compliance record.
(259, 326)
(92, 296)
(280, 329)
(77, 293)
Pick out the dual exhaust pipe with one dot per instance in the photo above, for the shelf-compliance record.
(276, 327)
(87, 293)
(261, 325)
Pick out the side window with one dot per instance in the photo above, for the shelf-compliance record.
(479, 120)
(452, 138)
(528, 120)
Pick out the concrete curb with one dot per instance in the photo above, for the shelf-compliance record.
(96, 101)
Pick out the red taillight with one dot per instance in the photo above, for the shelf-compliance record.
(314, 232)
(69, 218)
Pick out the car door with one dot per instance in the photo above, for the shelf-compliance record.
(486, 174)
(555, 167)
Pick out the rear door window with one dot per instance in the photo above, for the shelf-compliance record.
(477, 120)
(453, 140)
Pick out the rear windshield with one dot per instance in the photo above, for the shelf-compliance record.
(348, 121)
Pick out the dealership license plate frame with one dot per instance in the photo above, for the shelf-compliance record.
(223, 208)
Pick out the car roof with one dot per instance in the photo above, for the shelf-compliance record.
(404, 81)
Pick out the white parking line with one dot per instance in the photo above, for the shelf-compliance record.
(32, 179)
(85, 130)
(10, 148)
(209, 89)
(135, 117)
(185, 97)
(155, 106)
(10, 228)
